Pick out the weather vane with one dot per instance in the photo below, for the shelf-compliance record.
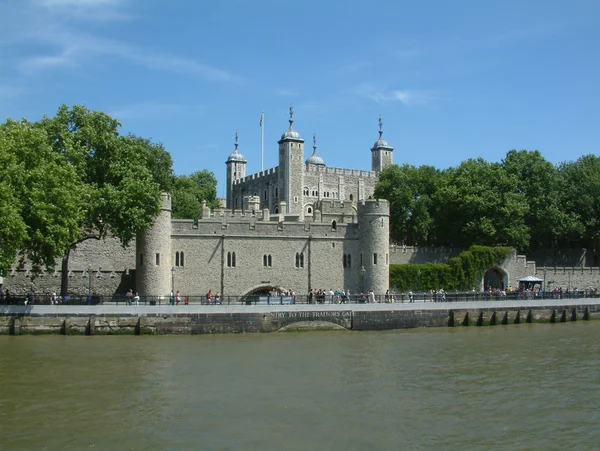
(380, 125)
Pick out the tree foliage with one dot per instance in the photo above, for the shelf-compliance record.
(42, 200)
(70, 178)
(524, 201)
(188, 192)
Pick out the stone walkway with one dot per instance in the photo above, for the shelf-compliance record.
(169, 310)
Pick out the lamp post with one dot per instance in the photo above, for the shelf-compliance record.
(172, 297)
(419, 278)
(362, 279)
(89, 298)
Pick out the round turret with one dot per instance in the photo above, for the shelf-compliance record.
(374, 243)
(314, 158)
(290, 134)
(153, 254)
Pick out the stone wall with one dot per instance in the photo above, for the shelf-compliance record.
(22, 320)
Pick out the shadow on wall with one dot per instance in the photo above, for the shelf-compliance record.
(127, 281)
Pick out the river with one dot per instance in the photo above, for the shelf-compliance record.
(505, 387)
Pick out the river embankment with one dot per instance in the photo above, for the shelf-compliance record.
(167, 319)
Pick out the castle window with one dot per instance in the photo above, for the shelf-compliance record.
(157, 259)
(374, 259)
(231, 259)
(351, 197)
(361, 260)
(349, 261)
(309, 210)
(276, 209)
(344, 260)
(299, 260)
(265, 195)
(267, 260)
(334, 225)
(295, 199)
(264, 260)
(276, 192)
(178, 258)
(305, 191)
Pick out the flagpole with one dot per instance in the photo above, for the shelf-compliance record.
(262, 141)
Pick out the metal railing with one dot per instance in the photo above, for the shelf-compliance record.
(122, 299)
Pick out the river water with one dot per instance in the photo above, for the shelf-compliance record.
(516, 387)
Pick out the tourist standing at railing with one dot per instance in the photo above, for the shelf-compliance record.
(371, 297)
(218, 298)
(177, 297)
(129, 296)
(136, 299)
(53, 298)
(209, 297)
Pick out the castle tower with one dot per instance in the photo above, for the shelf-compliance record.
(236, 170)
(153, 254)
(291, 169)
(374, 244)
(382, 152)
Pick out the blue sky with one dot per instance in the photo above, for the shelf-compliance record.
(453, 80)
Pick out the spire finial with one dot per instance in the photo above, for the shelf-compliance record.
(314, 142)
(236, 139)
(380, 125)
(291, 114)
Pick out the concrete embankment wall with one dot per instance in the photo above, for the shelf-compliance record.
(17, 321)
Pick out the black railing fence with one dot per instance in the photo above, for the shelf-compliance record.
(37, 299)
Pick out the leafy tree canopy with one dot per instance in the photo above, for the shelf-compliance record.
(188, 192)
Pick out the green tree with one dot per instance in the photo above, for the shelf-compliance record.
(409, 190)
(123, 175)
(41, 198)
(580, 188)
(479, 203)
(539, 183)
(188, 192)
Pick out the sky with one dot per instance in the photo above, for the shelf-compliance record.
(452, 80)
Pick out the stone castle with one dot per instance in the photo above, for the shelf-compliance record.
(301, 225)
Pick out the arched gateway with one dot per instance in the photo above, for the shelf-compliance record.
(263, 290)
(496, 278)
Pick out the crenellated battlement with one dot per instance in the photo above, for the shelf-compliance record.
(341, 171)
(257, 175)
(380, 207)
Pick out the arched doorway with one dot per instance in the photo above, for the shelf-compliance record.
(495, 278)
(267, 294)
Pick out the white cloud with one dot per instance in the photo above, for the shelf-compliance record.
(409, 97)
(95, 10)
(88, 47)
